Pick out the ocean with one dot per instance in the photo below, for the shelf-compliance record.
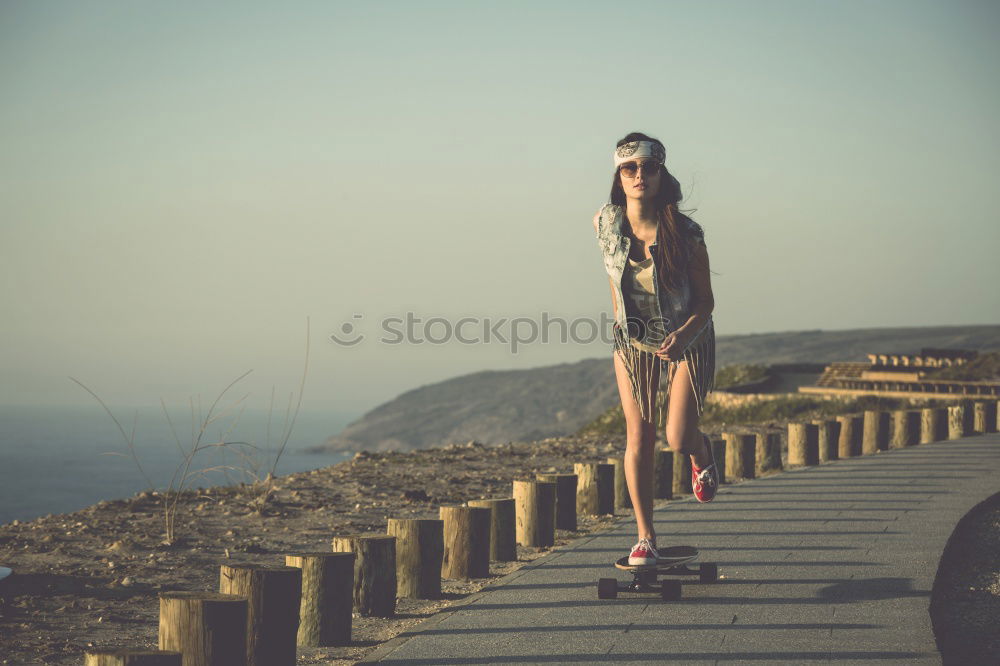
(62, 459)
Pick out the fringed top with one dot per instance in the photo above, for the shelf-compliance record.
(646, 371)
(643, 310)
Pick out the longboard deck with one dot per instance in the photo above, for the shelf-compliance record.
(647, 577)
(669, 557)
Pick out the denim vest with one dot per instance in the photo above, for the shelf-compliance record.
(614, 243)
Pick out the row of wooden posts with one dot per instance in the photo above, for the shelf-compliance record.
(263, 611)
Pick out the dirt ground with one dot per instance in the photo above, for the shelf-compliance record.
(91, 578)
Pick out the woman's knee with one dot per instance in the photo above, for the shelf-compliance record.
(681, 441)
(641, 439)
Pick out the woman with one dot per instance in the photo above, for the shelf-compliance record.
(657, 263)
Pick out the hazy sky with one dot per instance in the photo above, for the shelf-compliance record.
(182, 184)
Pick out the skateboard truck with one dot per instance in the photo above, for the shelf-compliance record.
(673, 562)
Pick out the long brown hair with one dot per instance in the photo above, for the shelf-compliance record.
(671, 234)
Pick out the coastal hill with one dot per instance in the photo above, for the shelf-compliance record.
(495, 406)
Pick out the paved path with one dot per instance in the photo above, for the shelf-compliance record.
(834, 562)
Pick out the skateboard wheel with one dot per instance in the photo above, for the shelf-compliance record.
(670, 590)
(708, 572)
(607, 588)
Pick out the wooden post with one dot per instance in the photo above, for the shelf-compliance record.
(565, 499)
(663, 474)
(503, 537)
(419, 556)
(876, 431)
(275, 594)
(327, 597)
(942, 424)
(740, 457)
(905, 428)
(899, 429)
(374, 572)
(803, 444)
(980, 417)
(768, 453)
(849, 444)
(883, 430)
(595, 489)
(622, 498)
(869, 432)
(535, 506)
(968, 417)
(956, 421)
(682, 474)
(989, 409)
(130, 657)
(466, 542)
(829, 435)
(207, 628)
(915, 417)
(719, 450)
(929, 425)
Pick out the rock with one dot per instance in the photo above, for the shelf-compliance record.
(419, 495)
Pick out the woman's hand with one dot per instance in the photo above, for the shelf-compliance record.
(673, 346)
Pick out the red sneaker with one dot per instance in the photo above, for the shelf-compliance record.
(704, 482)
(643, 552)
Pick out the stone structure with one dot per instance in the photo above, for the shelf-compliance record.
(902, 375)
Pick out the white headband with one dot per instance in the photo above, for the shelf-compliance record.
(637, 149)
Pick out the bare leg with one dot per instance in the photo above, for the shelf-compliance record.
(640, 437)
(682, 431)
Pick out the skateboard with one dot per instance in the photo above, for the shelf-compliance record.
(673, 562)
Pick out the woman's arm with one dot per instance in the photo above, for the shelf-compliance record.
(702, 299)
(702, 305)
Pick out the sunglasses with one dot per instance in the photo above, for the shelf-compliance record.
(629, 169)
